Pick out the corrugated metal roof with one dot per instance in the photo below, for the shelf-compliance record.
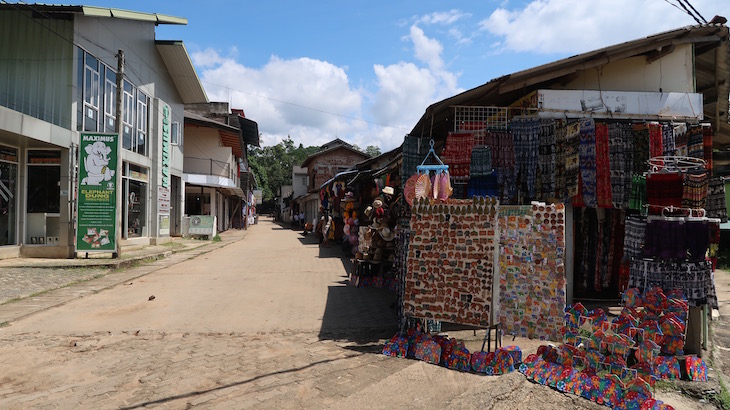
(181, 70)
(95, 11)
(710, 40)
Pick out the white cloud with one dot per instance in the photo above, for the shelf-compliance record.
(568, 26)
(443, 17)
(427, 50)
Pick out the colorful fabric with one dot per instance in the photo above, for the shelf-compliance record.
(526, 137)
(666, 368)
(647, 351)
(664, 190)
(428, 350)
(588, 162)
(695, 190)
(457, 153)
(668, 140)
(638, 196)
(513, 351)
(481, 162)
(620, 162)
(397, 346)
(673, 345)
(572, 159)
(547, 161)
(635, 233)
(694, 278)
(603, 167)
(707, 135)
(695, 142)
(632, 298)
(679, 131)
(656, 148)
(482, 361)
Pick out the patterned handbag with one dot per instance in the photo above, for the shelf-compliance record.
(515, 352)
(459, 359)
(696, 368)
(397, 346)
(428, 350)
(504, 363)
(666, 367)
(673, 345)
(480, 361)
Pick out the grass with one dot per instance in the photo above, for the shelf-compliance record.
(723, 399)
(172, 244)
(217, 238)
(4, 324)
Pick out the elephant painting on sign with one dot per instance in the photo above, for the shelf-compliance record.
(97, 164)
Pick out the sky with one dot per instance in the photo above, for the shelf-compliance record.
(365, 72)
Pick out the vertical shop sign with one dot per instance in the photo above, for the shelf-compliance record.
(97, 201)
(166, 146)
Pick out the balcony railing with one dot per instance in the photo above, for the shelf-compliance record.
(208, 166)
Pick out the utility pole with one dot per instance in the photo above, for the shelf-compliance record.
(118, 129)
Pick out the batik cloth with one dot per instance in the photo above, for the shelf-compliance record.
(656, 145)
(560, 147)
(414, 151)
(707, 144)
(457, 153)
(481, 161)
(715, 204)
(695, 190)
(588, 162)
(603, 167)
(547, 159)
(695, 142)
(634, 237)
(640, 149)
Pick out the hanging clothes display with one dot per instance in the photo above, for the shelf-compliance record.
(695, 142)
(547, 159)
(640, 149)
(572, 159)
(526, 137)
(716, 202)
(588, 162)
(414, 151)
(664, 189)
(481, 162)
(603, 167)
(707, 145)
(620, 163)
(560, 155)
(635, 232)
(457, 154)
(680, 139)
(668, 144)
(695, 190)
(695, 279)
(656, 140)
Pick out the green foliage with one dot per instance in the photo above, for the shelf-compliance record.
(372, 150)
(273, 165)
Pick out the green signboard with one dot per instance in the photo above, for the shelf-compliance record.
(97, 194)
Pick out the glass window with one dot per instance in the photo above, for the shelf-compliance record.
(142, 124)
(128, 116)
(8, 195)
(197, 202)
(110, 100)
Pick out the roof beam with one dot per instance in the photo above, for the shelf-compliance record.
(655, 55)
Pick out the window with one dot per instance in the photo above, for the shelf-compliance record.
(110, 100)
(175, 135)
(134, 181)
(142, 124)
(127, 115)
(197, 203)
(91, 93)
(44, 179)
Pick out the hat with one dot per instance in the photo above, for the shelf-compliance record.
(368, 211)
(377, 203)
(387, 234)
(349, 197)
(388, 190)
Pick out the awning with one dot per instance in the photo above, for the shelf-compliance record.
(340, 176)
(226, 185)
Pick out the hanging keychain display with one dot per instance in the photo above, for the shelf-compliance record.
(436, 185)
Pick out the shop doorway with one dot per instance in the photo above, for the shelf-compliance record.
(175, 200)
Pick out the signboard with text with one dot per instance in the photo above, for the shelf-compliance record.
(97, 201)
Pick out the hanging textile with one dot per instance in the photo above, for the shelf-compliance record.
(680, 139)
(526, 137)
(637, 199)
(668, 140)
(603, 167)
(572, 159)
(617, 164)
(560, 147)
(695, 190)
(635, 233)
(664, 190)
(716, 206)
(616, 250)
(695, 279)
(503, 160)
(640, 149)
(457, 153)
(695, 142)
(481, 161)
(588, 162)
(707, 144)
(714, 247)
(656, 146)
(486, 186)
(547, 159)
(589, 240)
(698, 239)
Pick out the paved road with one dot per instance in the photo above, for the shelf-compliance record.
(267, 321)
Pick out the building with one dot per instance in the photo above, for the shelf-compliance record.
(58, 67)
(332, 158)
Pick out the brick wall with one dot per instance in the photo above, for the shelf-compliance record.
(326, 166)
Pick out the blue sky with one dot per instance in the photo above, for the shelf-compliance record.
(366, 71)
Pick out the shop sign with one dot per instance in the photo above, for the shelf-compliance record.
(97, 201)
(202, 225)
(166, 146)
(164, 224)
(163, 200)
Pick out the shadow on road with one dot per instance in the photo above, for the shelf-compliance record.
(239, 383)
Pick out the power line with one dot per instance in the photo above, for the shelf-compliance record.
(694, 10)
(689, 12)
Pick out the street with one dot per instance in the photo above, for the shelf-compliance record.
(267, 321)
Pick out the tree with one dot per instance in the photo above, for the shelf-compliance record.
(372, 150)
(273, 165)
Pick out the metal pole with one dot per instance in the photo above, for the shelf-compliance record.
(118, 128)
